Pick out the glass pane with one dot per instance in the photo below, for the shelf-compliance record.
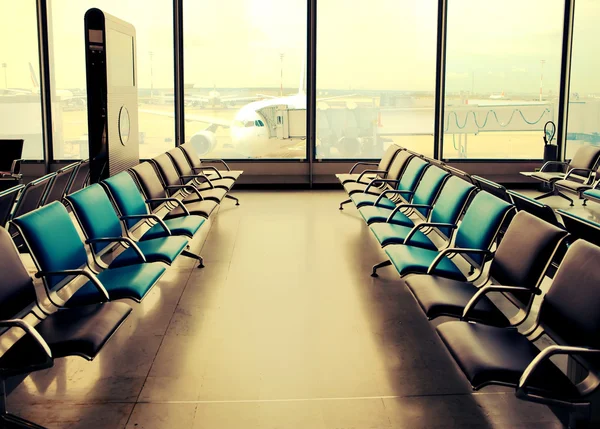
(20, 102)
(153, 22)
(245, 62)
(502, 77)
(374, 88)
(584, 104)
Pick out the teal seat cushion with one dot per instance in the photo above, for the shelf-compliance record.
(360, 200)
(186, 226)
(412, 259)
(592, 193)
(132, 282)
(156, 250)
(372, 214)
(387, 233)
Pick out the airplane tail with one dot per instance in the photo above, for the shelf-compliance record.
(34, 80)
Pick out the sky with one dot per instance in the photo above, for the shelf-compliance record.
(381, 44)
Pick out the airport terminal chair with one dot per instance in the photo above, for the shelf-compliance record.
(377, 186)
(102, 228)
(33, 195)
(59, 254)
(524, 203)
(132, 209)
(399, 190)
(580, 167)
(474, 237)
(592, 194)
(8, 199)
(365, 176)
(198, 164)
(580, 227)
(520, 262)
(491, 187)
(451, 203)
(81, 178)
(156, 195)
(79, 331)
(421, 201)
(173, 183)
(568, 315)
(60, 184)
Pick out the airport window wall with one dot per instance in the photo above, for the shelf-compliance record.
(583, 125)
(503, 63)
(20, 100)
(375, 88)
(153, 22)
(243, 59)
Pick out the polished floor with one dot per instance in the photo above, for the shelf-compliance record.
(284, 328)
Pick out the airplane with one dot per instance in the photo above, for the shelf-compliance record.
(497, 96)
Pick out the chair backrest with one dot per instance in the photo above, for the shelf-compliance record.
(167, 170)
(569, 312)
(52, 240)
(429, 187)
(586, 157)
(398, 164)
(61, 183)
(127, 196)
(33, 195)
(481, 223)
(525, 253)
(524, 203)
(11, 150)
(388, 157)
(412, 174)
(81, 178)
(459, 173)
(451, 202)
(581, 228)
(149, 181)
(491, 187)
(181, 162)
(95, 214)
(192, 155)
(16, 287)
(7, 203)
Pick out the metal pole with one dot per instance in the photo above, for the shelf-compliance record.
(179, 94)
(45, 81)
(565, 79)
(311, 86)
(440, 83)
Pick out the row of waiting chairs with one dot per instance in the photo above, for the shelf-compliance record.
(454, 244)
(133, 224)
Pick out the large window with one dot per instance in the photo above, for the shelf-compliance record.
(153, 22)
(375, 77)
(245, 78)
(502, 77)
(20, 105)
(584, 103)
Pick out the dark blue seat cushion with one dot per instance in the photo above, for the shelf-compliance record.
(387, 233)
(360, 200)
(592, 194)
(439, 296)
(492, 355)
(164, 249)
(132, 281)
(412, 259)
(373, 214)
(187, 226)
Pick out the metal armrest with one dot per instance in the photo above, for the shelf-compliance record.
(374, 181)
(361, 163)
(422, 225)
(217, 160)
(456, 250)
(20, 323)
(84, 272)
(406, 206)
(546, 354)
(210, 167)
(369, 172)
(549, 163)
(495, 288)
(126, 240)
(195, 177)
(172, 200)
(192, 187)
(149, 216)
(389, 192)
(590, 171)
(15, 167)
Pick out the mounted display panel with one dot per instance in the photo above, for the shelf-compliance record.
(112, 94)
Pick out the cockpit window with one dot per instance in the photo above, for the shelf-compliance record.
(259, 123)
